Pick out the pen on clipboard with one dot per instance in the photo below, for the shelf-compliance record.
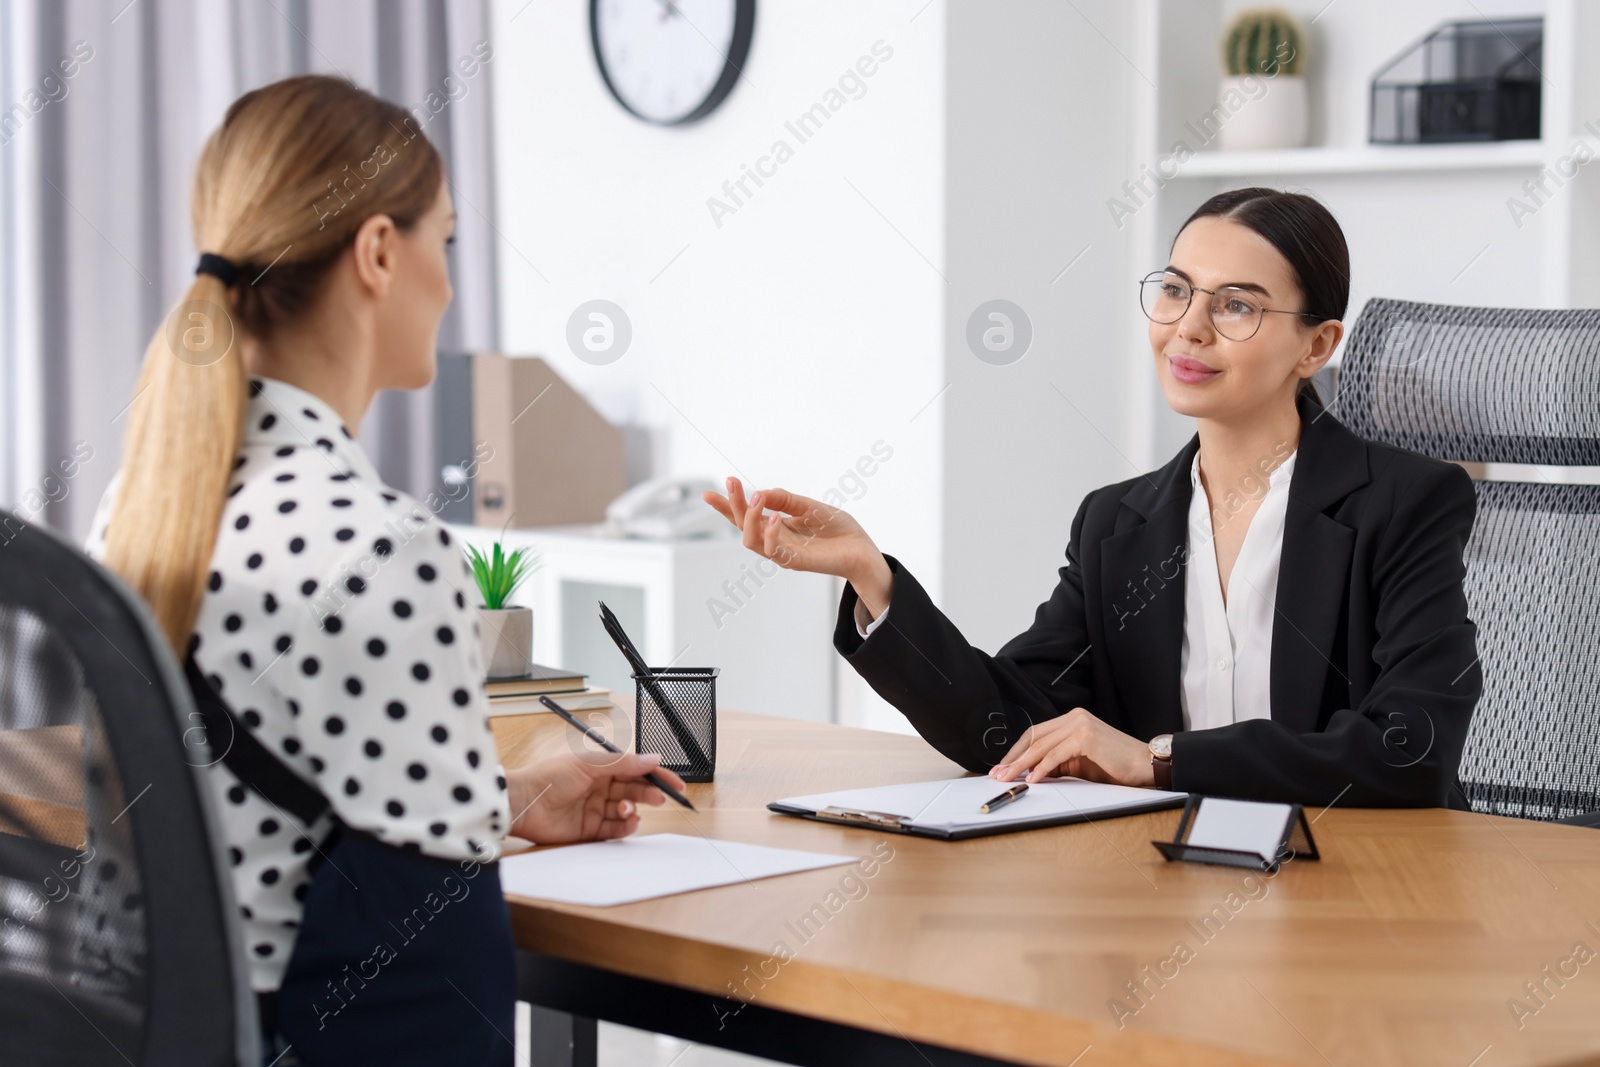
(600, 740)
(1004, 798)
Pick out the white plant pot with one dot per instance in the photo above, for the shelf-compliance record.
(507, 638)
(1277, 117)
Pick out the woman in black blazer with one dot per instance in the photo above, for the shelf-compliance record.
(1339, 668)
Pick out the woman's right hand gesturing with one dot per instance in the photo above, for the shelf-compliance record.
(801, 534)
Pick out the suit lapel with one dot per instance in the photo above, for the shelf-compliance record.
(1142, 585)
(1314, 567)
(1143, 568)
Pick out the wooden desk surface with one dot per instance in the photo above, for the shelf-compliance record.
(1407, 944)
(41, 784)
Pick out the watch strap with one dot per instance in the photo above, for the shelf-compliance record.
(1163, 772)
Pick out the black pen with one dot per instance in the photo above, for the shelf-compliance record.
(624, 642)
(680, 729)
(1004, 798)
(652, 778)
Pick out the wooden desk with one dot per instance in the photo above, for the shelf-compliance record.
(41, 785)
(1406, 944)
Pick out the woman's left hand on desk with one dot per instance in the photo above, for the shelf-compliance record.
(1079, 745)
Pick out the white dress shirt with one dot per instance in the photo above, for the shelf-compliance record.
(1226, 664)
(863, 627)
(336, 624)
(1226, 661)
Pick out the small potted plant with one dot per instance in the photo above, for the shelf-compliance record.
(1264, 90)
(506, 632)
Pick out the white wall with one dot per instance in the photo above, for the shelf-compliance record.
(785, 342)
(1040, 113)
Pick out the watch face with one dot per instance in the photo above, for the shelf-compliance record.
(671, 61)
(1161, 746)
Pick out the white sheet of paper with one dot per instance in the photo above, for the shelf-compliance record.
(1245, 825)
(954, 803)
(603, 873)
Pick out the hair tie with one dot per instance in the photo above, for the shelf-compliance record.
(218, 268)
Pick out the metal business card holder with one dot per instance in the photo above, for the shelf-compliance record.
(1296, 843)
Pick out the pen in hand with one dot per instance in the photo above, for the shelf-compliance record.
(653, 779)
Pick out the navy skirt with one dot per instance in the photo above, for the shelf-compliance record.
(401, 958)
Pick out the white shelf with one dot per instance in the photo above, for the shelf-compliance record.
(1450, 223)
(1366, 159)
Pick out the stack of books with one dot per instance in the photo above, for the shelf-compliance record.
(520, 696)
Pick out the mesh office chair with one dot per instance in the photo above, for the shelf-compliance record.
(1496, 385)
(117, 939)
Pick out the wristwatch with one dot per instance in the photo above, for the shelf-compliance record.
(1161, 760)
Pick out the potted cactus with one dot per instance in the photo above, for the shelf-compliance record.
(506, 631)
(1264, 88)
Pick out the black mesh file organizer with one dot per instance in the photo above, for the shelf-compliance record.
(1465, 81)
(1507, 386)
(676, 715)
(118, 942)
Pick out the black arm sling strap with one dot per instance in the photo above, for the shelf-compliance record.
(251, 761)
(465, 938)
(255, 765)
(258, 769)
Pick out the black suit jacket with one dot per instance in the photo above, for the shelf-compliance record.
(1374, 666)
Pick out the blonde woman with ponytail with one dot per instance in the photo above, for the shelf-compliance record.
(321, 612)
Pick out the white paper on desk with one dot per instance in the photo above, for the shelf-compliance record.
(953, 804)
(1240, 826)
(603, 873)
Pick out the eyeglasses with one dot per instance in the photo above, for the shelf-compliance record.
(1235, 313)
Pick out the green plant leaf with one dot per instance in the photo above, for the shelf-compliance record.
(499, 574)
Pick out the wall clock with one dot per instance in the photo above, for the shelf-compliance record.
(671, 61)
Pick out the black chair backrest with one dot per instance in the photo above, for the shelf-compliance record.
(1507, 386)
(118, 938)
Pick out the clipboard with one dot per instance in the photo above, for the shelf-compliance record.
(948, 809)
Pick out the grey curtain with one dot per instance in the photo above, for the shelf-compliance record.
(95, 241)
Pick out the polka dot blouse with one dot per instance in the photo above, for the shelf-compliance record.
(336, 624)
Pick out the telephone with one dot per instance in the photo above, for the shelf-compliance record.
(666, 509)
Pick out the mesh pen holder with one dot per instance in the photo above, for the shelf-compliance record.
(676, 715)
